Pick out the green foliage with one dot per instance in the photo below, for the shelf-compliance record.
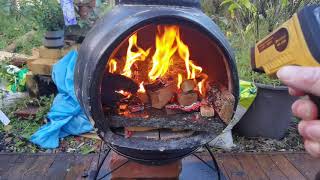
(246, 21)
(46, 13)
(14, 26)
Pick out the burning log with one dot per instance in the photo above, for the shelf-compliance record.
(143, 97)
(222, 101)
(186, 99)
(206, 111)
(188, 85)
(162, 96)
(112, 83)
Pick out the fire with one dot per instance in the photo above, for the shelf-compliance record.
(141, 88)
(132, 57)
(165, 49)
(124, 93)
(169, 47)
(112, 66)
(179, 81)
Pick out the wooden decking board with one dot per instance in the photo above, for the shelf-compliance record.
(250, 166)
(79, 167)
(307, 165)
(22, 165)
(60, 166)
(269, 168)
(286, 167)
(39, 168)
(233, 168)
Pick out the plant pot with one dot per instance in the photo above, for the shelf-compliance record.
(54, 39)
(270, 114)
(84, 11)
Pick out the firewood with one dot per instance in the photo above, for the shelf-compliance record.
(222, 101)
(157, 85)
(143, 97)
(162, 97)
(207, 111)
(186, 99)
(188, 85)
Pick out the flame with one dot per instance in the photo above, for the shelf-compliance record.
(169, 49)
(112, 66)
(132, 57)
(179, 80)
(201, 88)
(165, 49)
(124, 93)
(141, 88)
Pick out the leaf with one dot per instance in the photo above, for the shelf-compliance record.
(7, 128)
(233, 7)
(226, 2)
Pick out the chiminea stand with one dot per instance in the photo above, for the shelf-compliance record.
(93, 175)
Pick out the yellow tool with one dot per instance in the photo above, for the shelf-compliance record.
(296, 42)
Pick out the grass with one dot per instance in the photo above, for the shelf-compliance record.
(11, 28)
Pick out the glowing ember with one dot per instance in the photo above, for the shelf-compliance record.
(141, 88)
(124, 93)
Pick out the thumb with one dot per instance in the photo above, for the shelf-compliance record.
(301, 78)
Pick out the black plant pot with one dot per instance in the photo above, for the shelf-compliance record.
(54, 39)
(270, 114)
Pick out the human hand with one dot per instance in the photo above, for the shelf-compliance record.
(301, 81)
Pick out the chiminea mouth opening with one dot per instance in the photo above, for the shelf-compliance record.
(156, 80)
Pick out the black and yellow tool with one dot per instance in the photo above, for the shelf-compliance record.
(296, 42)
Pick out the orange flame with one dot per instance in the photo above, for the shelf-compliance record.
(179, 80)
(165, 49)
(141, 88)
(132, 57)
(169, 47)
(112, 66)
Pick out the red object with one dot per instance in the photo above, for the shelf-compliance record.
(193, 107)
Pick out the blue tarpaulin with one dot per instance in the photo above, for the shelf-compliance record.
(66, 116)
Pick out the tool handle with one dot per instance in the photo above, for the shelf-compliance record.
(315, 100)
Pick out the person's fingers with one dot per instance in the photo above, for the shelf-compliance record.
(312, 147)
(296, 92)
(305, 109)
(301, 78)
(310, 130)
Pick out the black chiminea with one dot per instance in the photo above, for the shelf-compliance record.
(140, 31)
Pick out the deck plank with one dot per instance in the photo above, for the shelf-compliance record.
(39, 168)
(60, 166)
(307, 165)
(232, 167)
(269, 167)
(250, 166)
(79, 167)
(21, 166)
(286, 167)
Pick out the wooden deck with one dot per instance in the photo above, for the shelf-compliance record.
(234, 166)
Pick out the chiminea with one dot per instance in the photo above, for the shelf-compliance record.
(157, 78)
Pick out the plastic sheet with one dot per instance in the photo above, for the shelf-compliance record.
(66, 116)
